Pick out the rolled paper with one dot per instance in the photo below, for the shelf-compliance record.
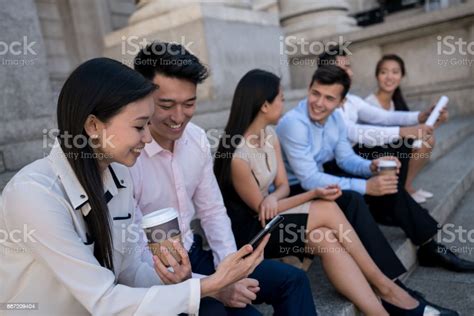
(442, 102)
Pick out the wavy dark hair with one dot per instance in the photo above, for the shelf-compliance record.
(329, 75)
(254, 89)
(171, 60)
(398, 99)
(101, 87)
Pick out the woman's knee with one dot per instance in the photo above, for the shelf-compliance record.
(323, 206)
(322, 213)
(321, 236)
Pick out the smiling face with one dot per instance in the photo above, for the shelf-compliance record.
(123, 137)
(389, 76)
(175, 103)
(323, 100)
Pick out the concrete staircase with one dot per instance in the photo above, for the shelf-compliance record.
(449, 176)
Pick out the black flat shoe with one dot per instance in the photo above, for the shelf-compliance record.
(397, 311)
(421, 298)
(434, 254)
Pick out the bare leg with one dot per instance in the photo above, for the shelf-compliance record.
(418, 162)
(339, 265)
(329, 215)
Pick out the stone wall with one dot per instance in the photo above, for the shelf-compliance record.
(230, 39)
(65, 33)
(417, 40)
(120, 12)
(26, 102)
(60, 51)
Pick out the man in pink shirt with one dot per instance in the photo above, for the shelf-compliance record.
(176, 170)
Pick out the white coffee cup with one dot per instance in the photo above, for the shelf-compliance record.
(387, 167)
(162, 228)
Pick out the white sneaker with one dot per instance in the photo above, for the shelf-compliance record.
(425, 194)
(418, 197)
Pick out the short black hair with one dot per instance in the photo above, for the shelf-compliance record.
(170, 60)
(330, 74)
(329, 56)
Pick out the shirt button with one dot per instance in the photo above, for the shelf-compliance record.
(82, 196)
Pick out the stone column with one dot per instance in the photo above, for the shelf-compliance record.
(315, 19)
(228, 35)
(26, 103)
(149, 8)
(266, 5)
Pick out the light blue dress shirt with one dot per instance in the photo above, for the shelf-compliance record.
(307, 145)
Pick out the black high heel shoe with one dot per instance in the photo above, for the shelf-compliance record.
(397, 311)
(443, 311)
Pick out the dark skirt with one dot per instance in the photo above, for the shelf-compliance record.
(288, 239)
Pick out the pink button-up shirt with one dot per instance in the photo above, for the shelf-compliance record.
(184, 179)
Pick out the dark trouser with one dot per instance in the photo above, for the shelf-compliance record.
(397, 209)
(284, 287)
(358, 214)
(401, 150)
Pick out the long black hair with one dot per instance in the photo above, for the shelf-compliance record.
(399, 102)
(255, 87)
(101, 87)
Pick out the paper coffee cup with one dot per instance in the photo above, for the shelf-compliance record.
(161, 228)
(387, 167)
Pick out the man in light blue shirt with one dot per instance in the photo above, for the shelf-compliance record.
(309, 144)
(313, 134)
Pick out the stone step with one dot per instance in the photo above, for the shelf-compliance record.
(449, 178)
(454, 149)
(455, 290)
(452, 133)
(455, 143)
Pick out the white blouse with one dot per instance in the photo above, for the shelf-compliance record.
(48, 258)
(372, 100)
(372, 126)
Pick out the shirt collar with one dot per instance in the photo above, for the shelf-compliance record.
(73, 188)
(303, 106)
(154, 148)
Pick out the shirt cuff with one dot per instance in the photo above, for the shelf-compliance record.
(194, 296)
(188, 291)
(413, 118)
(359, 185)
(367, 171)
(198, 276)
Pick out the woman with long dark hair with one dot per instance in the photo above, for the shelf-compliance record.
(389, 72)
(249, 161)
(76, 211)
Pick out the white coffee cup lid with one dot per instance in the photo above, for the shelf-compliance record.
(387, 164)
(159, 217)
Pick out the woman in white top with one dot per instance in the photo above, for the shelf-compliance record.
(72, 246)
(389, 72)
(246, 167)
